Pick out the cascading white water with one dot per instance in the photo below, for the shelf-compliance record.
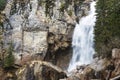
(83, 40)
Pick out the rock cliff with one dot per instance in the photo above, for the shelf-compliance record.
(41, 28)
(41, 34)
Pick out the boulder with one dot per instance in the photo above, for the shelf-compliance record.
(99, 65)
(116, 53)
(40, 70)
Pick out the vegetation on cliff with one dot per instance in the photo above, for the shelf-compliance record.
(9, 59)
(65, 5)
(2, 4)
(107, 29)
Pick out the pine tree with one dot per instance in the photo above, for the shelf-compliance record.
(107, 29)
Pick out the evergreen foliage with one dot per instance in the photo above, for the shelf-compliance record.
(9, 59)
(107, 29)
(2, 4)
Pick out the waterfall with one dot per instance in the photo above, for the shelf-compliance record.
(83, 40)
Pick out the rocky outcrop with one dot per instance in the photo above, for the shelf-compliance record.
(116, 53)
(96, 70)
(42, 30)
(116, 60)
(99, 69)
(38, 27)
(39, 30)
(40, 70)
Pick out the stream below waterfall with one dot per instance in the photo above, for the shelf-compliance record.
(83, 40)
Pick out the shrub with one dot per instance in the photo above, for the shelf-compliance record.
(9, 59)
(70, 12)
(2, 4)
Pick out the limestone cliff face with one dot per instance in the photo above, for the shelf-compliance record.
(42, 30)
(40, 70)
(37, 27)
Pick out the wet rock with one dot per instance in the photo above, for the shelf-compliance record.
(96, 70)
(63, 58)
(81, 67)
(95, 55)
(99, 65)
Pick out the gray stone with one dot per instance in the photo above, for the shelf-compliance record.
(29, 29)
(35, 42)
(116, 53)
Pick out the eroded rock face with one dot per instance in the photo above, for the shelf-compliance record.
(23, 27)
(39, 70)
(40, 27)
(116, 59)
(99, 69)
(35, 42)
(94, 70)
(116, 53)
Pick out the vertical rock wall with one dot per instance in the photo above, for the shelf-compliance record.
(40, 27)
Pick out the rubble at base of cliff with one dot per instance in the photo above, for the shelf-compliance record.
(99, 69)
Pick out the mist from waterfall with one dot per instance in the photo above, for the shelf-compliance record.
(83, 40)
